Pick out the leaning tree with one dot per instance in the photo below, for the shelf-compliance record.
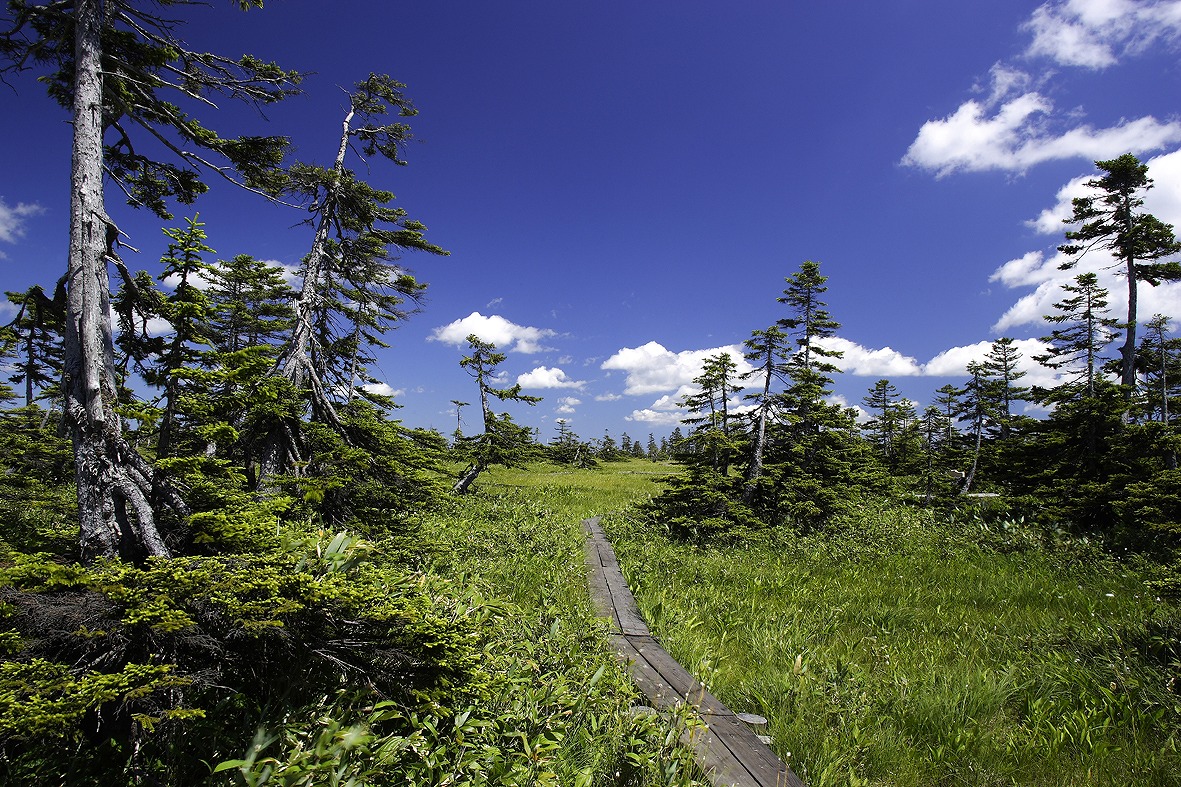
(502, 442)
(352, 287)
(124, 73)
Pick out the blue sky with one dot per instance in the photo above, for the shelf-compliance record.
(624, 186)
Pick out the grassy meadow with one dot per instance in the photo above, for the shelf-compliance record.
(897, 649)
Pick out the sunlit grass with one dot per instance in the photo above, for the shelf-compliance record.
(906, 655)
(898, 651)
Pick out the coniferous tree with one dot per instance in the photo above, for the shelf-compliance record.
(1159, 360)
(37, 333)
(886, 421)
(709, 410)
(249, 304)
(1111, 220)
(502, 441)
(1000, 368)
(352, 289)
(187, 311)
(114, 64)
(1079, 345)
(768, 352)
(976, 408)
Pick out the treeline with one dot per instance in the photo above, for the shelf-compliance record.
(1100, 461)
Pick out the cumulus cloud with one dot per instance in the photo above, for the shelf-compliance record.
(1014, 136)
(1096, 34)
(655, 417)
(954, 362)
(506, 335)
(859, 360)
(545, 377)
(651, 368)
(383, 389)
(1015, 126)
(12, 220)
(567, 405)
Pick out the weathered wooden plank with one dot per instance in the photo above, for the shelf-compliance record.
(648, 680)
(716, 759)
(626, 612)
(631, 622)
(677, 677)
(744, 745)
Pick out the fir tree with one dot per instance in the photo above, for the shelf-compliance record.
(502, 441)
(1111, 220)
(114, 64)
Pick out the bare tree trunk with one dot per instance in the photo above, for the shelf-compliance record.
(468, 478)
(970, 476)
(114, 513)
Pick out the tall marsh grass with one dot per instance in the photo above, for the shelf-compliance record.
(901, 650)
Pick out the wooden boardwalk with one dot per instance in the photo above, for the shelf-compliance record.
(727, 749)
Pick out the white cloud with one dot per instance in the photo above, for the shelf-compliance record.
(954, 362)
(1016, 126)
(1095, 34)
(651, 368)
(859, 360)
(1015, 136)
(506, 335)
(383, 389)
(567, 405)
(655, 417)
(545, 377)
(608, 397)
(12, 219)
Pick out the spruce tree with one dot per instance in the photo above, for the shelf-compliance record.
(353, 289)
(114, 64)
(502, 441)
(1111, 220)
(37, 333)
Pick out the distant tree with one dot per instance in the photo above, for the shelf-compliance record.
(934, 428)
(1159, 361)
(1110, 219)
(768, 352)
(709, 409)
(249, 304)
(652, 450)
(187, 310)
(1079, 345)
(886, 422)
(459, 416)
(114, 63)
(567, 447)
(37, 332)
(608, 449)
(976, 409)
(502, 441)
(811, 367)
(1000, 370)
(1083, 405)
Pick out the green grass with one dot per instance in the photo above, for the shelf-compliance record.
(900, 652)
(516, 542)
